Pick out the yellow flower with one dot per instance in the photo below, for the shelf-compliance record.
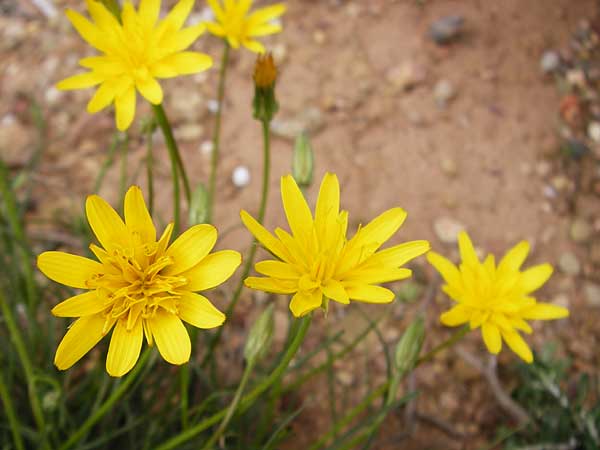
(134, 54)
(240, 28)
(317, 263)
(141, 286)
(496, 298)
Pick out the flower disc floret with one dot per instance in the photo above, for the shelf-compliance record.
(139, 286)
(495, 298)
(316, 263)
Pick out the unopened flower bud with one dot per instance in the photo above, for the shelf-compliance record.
(259, 338)
(409, 347)
(303, 161)
(199, 206)
(265, 75)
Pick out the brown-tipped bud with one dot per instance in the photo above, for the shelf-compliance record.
(303, 161)
(265, 76)
(409, 347)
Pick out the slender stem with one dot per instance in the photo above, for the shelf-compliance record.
(249, 398)
(19, 234)
(110, 157)
(109, 403)
(457, 336)
(27, 368)
(123, 176)
(150, 171)
(232, 406)
(162, 121)
(214, 160)
(261, 217)
(15, 427)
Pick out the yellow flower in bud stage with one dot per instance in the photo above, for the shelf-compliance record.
(496, 298)
(316, 262)
(134, 54)
(264, 103)
(234, 23)
(140, 286)
(265, 71)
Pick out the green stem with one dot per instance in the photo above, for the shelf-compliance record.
(27, 368)
(109, 403)
(17, 230)
(15, 427)
(123, 175)
(214, 160)
(261, 217)
(150, 171)
(110, 157)
(232, 406)
(249, 398)
(457, 336)
(162, 121)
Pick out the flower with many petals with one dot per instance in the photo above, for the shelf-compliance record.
(139, 286)
(234, 23)
(135, 52)
(315, 262)
(496, 298)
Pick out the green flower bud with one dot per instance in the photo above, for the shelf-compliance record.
(199, 206)
(259, 338)
(409, 347)
(303, 161)
(265, 104)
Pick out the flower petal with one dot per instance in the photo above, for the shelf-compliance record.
(399, 254)
(261, 234)
(106, 223)
(212, 270)
(491, 337)
(304, 302)
(518, 345)
(375, 275)
(198, 311)
(80, 81)
(67, 269)
(148, 11)
(179, 14)
(447, 270)
(296, 209)
(179, 41)
(150, 89)
(87, 30)
(191, 248)
(335, 291)
(267, 14)
(467, 251)
(182, 63)
(370, 294)
(125, 108)
(137, 218)
(171, 337)
(103, 97)
(277, 269)
(381, 228)
(544, 311)
(82, 336)
(514, 258)
(264, 30)
(253, 46)
(124, 348)
(534, 277)
(80, 305)
(456, 316)
(272, 285)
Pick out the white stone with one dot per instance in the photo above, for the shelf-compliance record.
(240, 176)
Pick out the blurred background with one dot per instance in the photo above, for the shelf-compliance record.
(471, 114)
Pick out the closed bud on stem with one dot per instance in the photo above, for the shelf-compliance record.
(303, 161)
(259, 338)
(199, 206)
(265, 104)
(409, 347)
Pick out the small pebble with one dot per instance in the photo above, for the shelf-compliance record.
(206, 148)
(591, 292)
(580, 230)
(212, 106)
(594, 131)
(447, 229)
(550, 61)
(569, 264)
(240, 176)
(443, 93)
(447, 29)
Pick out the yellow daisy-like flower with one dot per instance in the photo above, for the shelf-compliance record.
(140, 286)
(134, 54)
(240, 28)
(317, 263)
(496, 298)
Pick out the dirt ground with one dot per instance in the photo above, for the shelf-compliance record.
(464, 134)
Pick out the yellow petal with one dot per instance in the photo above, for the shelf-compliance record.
(128, 17)
(447, 270)
(88, 31)
(515, 257)
(125, 108)
(264, 30)
(212, 270)
(296, 209)
(150, 90)
(467, 251)
(381, 228)
(81, 337)
(171, 337)
(103, 97)
(335, 291)
(261, 234)
(328, 202)
(272, 285)
(277, 269)
(216, 9)
(544, 311)
(198, 311)
(80, 81)
(137, 217)
(253, 46)
(456, 316)
(370, 294)
(106, 224)
(180, 13)
(215, 29)
(165, 238)
(304, 302)
(148, 11)
(491, 337)
(267, 14)
(375, 275)
(179, 41)
(518, 345)
(190, 248)
(182, 63)
(80, 305)
(102, 17)
(534, 277)
(399, 254)
(67, 269)
(124, 348)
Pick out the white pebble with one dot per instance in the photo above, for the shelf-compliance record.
(206, 148)
(213, 106)
(240, 176)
